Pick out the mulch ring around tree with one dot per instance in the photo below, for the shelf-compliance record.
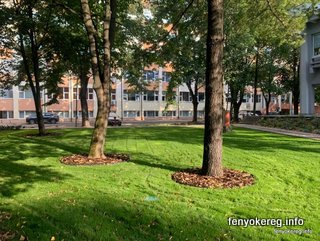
(83, 159)
(48, 134)
(230, 179)
(4, 234)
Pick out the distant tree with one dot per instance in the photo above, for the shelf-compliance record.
(25, 26)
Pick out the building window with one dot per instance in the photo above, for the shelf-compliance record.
(24, 114)
(6, 114)
(90, 94)
(63, 93)
(169, 113)
(200, 113)
(166, 76)
(185, 113)
(201, 96)
(164, 96)
(185, 96)
(131, 114)
(151, 96)
(246, 98)
(25, 93)
(316, 44)
(75, 94)
(131, 96)
(79, 114)
(151, 113)
(64, 114)
(91, 114)
(150, 75)
(258, 98)
(6, 93)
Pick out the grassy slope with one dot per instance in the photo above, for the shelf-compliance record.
(48, 199)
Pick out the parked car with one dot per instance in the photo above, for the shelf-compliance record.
(47, 118)
(114, 121)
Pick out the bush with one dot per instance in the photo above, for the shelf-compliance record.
(305, 124)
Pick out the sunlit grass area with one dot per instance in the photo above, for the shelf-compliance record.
(138, 200)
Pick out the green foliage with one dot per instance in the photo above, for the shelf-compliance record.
(317, 95)
(48, 199)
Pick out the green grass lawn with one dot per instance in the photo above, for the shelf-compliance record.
(139, 201)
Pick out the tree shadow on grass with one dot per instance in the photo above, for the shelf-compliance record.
(152, 161)
(24, 163)
(113, 218)
(253, 140)
(240, 138)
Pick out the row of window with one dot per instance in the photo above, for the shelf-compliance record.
(149, 75)
(6, 114)
(148, 113)
(153, 96)
(27, 93)
(248, 98)
(24, 114)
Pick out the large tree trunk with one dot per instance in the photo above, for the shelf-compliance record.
(212, 153)
(101, 71)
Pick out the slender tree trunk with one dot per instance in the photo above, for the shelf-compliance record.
(296, 83)
(236, 109)
(255, 84)
(194, 96)
(83, 99)
(236, 102)
(34, 79)
(212, 153)
(268, 100)
(101, 71)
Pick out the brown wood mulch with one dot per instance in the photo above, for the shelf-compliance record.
(45, 135)
(83, 159)
(5, 235)
(230, 179)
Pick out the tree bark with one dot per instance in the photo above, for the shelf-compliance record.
(194, 96)
(101, 71)
(268, 100)
(33, 76)
(236, 103)
(296, 83)
(255, 84)
(83, 99)
(212, 153)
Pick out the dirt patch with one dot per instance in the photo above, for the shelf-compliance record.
(230, 179)
(83, 159)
